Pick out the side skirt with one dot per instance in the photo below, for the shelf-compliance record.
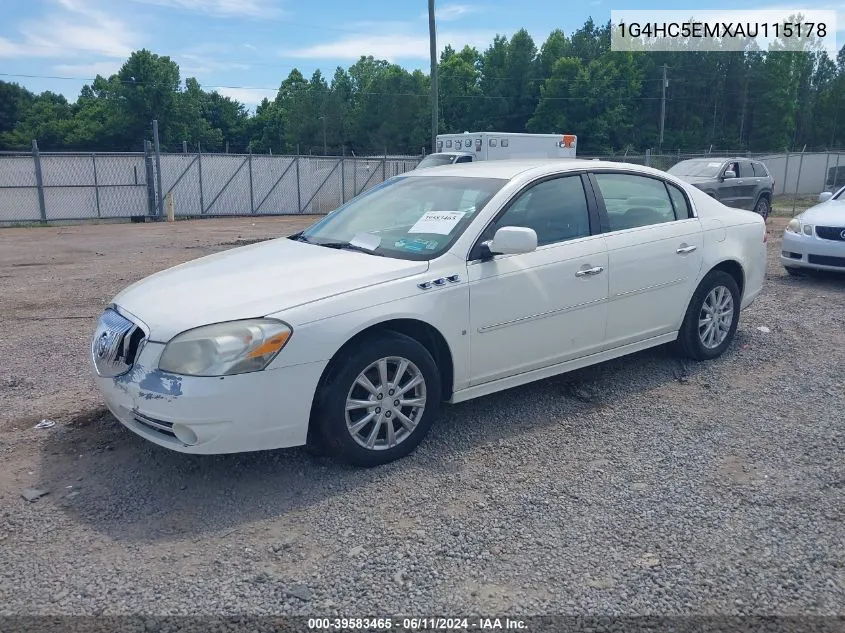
(560, 368)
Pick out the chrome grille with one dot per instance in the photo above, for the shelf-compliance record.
(836, 233)
(116, 344)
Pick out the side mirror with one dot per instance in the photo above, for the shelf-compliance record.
(824, 196)
(729, 174)
(513, 240)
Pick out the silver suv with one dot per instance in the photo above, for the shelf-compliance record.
(741, 183)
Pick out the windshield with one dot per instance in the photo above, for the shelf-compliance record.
(406, 217)
(436, 160)
(697, 168)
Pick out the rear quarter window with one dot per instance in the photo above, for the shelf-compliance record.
(760, 170)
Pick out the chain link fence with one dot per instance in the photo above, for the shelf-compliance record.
(44, 187)
(795, 173)
(49, 187)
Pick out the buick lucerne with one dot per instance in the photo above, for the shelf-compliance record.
(437, 286)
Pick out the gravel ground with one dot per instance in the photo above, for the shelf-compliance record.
(640, 486)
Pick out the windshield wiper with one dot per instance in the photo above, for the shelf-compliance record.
(347, 246)
(299, 237)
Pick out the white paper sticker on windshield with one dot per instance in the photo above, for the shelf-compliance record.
(714, 164)
(437, 222)
(366, 240)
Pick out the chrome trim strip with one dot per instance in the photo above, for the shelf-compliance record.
(648, 288)
(541, 315)
(156, 424)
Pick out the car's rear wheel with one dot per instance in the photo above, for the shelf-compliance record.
(379, 400)
(712, 317)
(763, 207)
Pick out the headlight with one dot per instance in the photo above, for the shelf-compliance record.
(224, 349)
(808, 229)
(794, 226)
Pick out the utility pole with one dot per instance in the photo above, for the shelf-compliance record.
(663, 108)
(432, 38)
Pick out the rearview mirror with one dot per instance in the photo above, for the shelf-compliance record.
(824, 196)
(729, 174)
(513, 240)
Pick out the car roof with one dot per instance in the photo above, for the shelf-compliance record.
(509, 169)
(719, 159)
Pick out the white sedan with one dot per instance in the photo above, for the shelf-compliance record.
(815, 239)
(440, 285)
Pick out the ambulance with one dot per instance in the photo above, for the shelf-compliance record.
(474, 146)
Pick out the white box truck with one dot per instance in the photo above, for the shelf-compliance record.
(474, 146)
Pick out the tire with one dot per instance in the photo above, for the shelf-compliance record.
(338, 428)
(692, 336)
(763, 207)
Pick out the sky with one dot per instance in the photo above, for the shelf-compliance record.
(245, 48)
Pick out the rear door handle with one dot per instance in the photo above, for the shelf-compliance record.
(683, 250)
(585, 272)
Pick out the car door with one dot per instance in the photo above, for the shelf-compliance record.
(537, 309)
(728, 191)
(654, 247)
(747, 185)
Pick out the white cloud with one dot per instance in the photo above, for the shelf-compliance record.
(106, 69)
(392, 46)
(248, 96)
(224, 8)
(197, 64)
(72, 28)
(451, 12)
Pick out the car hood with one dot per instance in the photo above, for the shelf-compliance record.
(830, 213)
(253, 281)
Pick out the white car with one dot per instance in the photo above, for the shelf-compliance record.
(440, 285)
(815, 239)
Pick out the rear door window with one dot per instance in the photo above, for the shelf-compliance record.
(632, 200)
(759, 170)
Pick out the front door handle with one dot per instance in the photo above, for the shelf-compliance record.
(683, 250)
(585, 272)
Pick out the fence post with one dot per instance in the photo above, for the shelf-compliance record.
(251, 197)
(185, 147)
(96, 183)
(160, 187)
(798, 181)
(384, 166)
(826, 165)
(39, 181)
(151, 191)
(836, 171)
(199, 171)
(785, 171)
(342, 181)
(354, 178)
(298, 186)
(648, 157)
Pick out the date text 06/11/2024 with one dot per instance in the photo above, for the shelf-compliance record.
(415, 624)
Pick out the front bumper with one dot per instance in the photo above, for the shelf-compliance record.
(811, 251)
(231, 414)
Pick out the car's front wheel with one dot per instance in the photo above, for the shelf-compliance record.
(379, 400)
(763, 208)
(712, 317)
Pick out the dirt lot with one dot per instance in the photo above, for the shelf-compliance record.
(641, 486)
